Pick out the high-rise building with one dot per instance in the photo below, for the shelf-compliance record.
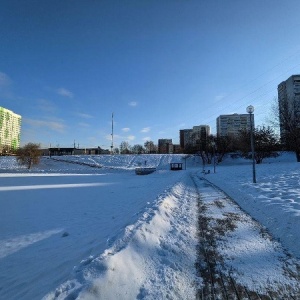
(10, 129)
(232, 124)
(185, 137)
(200, 133)
(165, 146)
(193, 137)
(289, 105)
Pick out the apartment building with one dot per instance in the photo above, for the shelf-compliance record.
(165, 146)
(185, 137)
(10, 129)
(200, 133)
(193, 137)
(232, 124)
(288, 103)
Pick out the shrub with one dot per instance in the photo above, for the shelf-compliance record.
(29, 155)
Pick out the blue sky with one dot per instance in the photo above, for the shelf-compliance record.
(159, 66)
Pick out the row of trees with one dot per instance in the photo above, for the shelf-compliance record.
(266, 145)
(125, 148)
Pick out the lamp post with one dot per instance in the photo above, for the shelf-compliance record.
(213, 143)
(250, 110)
(185, 157)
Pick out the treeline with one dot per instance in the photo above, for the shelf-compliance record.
(125, 148)
(266, 143)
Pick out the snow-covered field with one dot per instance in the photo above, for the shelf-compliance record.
(72, 231)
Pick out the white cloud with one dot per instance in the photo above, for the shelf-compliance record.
(64, 92)
(146, 129)
(46, 105)
(132, 103)
(82, 124)
(220, 97)
(6, 86)
(108, 137)
(116, 137)
(4, 80)
(126, 129)
(52, 125)
(120, 138)
(147, 138)
(131, 138)
(85, 116)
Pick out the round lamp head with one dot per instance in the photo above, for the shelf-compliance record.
(250, 109)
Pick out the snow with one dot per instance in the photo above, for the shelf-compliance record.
(274, 201)
(71, 231)
(248, 249)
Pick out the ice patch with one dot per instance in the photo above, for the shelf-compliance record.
(13, 245)
(49, 186)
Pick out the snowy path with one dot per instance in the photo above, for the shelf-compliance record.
(238, 258)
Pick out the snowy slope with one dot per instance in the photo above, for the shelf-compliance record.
(154, 259)
(58, 214)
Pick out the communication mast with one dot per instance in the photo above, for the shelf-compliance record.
(112, 134)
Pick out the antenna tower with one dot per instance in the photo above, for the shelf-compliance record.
(112, 134)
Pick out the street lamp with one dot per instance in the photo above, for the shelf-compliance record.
(213, 143)
(250, 110)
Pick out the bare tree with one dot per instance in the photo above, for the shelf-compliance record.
(225, 144)
(273, 119)
(287, 118)
(125, 148)
(138, 149)
(289, 127)
(150, 147)
(204, 147)
(29, 155)
(265, 140)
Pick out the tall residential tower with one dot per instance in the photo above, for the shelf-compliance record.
(10, 129)
(289, 106)
(232, 124)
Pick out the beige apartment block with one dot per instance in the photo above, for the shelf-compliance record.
(232, 124)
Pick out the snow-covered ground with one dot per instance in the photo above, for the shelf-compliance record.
(274, 200)
(72, 231)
